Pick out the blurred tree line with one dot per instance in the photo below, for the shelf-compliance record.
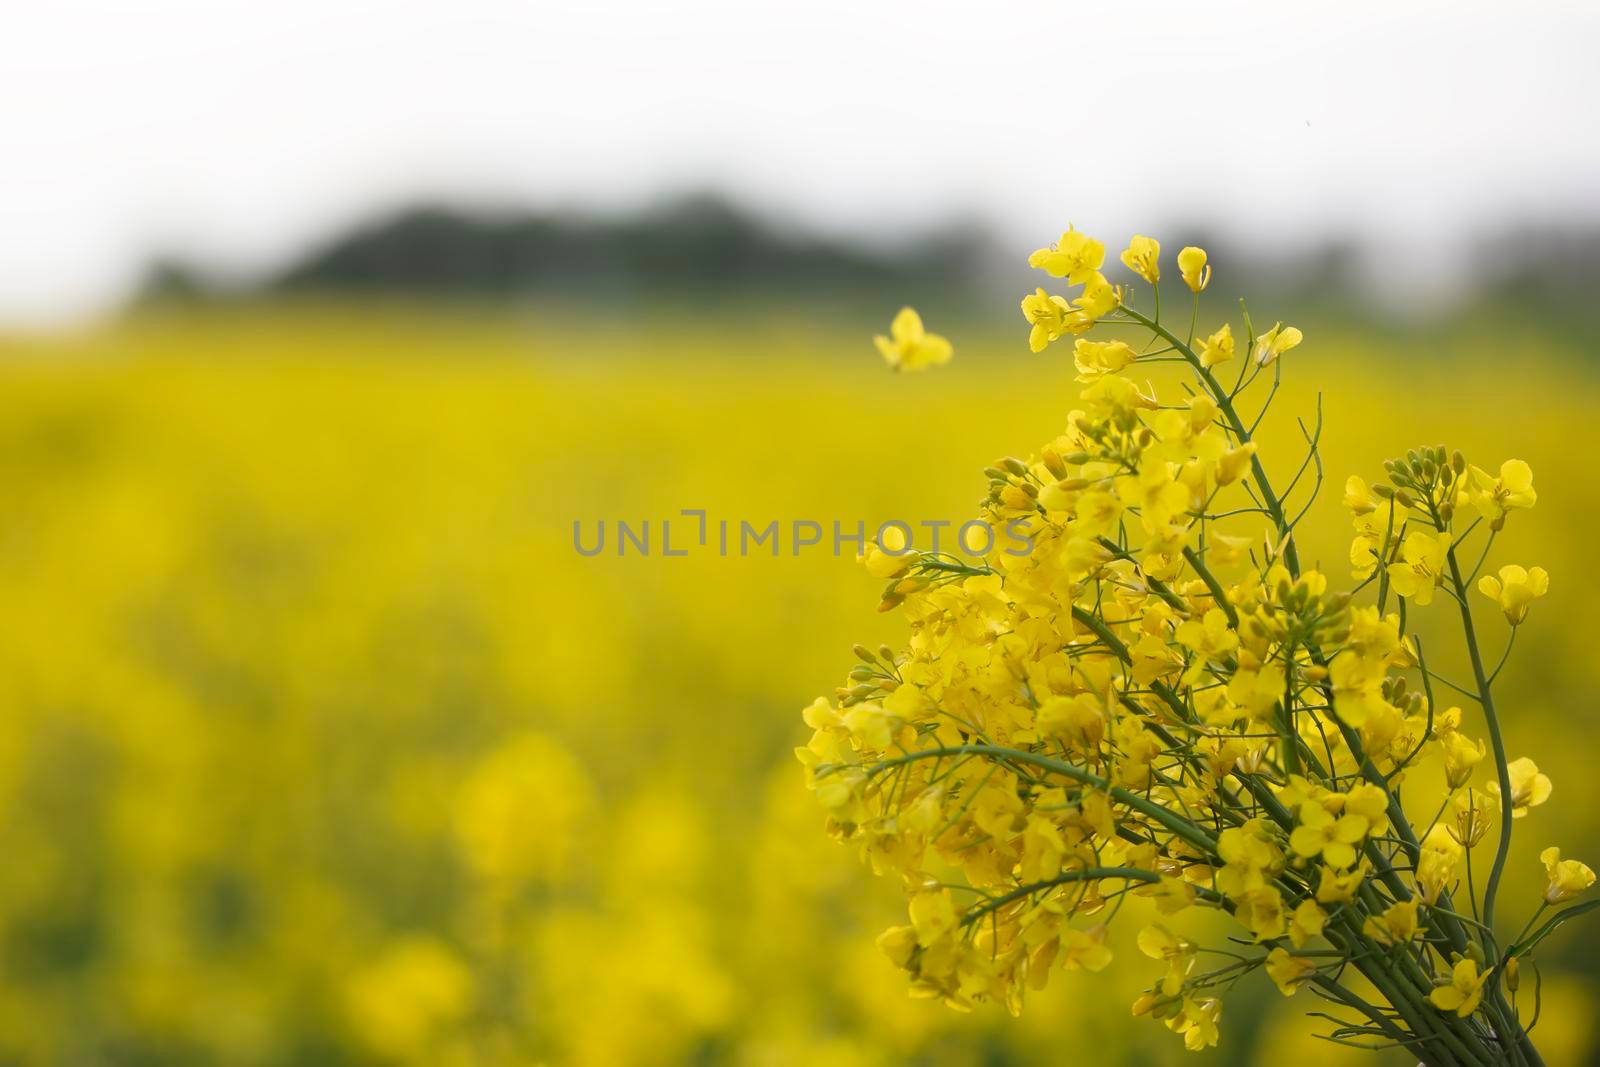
(705, 247)
(697, 246)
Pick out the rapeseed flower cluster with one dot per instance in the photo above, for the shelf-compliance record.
(1161, 706)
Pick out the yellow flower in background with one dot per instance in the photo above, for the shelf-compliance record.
(1288, 971)
(528, 772)
(1218, 348)
(1306, 922)
(1423, 562)
(1565, 878)
(1076, 257)
(1515, 589)
(1275, 342)
(1197, 1022)
(1358, 496)
(1142, 256)
(1397, 925)
(404, 1002)
(909, 346)
(1085, 950)
(1192, 265)
(1529, 788)
(1463, 992)
(1159, 943)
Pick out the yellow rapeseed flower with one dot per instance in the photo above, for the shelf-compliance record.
(1422, 564)
(1565, 878)
(1463, 992)
(1218, 348)
(1275, 342)
(1076, 257)
(1515, 589)
(1288, 971)
(1529, 787)
(1192, 265)
(1142, 256)
(909, 346)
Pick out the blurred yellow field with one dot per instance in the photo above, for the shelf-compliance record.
(323, 744)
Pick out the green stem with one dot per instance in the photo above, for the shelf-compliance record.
(1486, 698)
(1269, 497)
(1179, 826)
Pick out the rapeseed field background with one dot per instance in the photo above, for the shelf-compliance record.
(322, 744)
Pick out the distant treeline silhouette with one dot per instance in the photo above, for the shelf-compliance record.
(701, 244)
(706, 246)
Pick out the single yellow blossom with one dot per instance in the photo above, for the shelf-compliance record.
(1494, 496)
(1192, 264)
(1075, 257)
(1098, 299)
(1288, 971)
(1050, 315)
(1275, 342)
(1473, 815)
(1218, 348)
(1198, 1023)
(1437, 864)
(909, 346)
(1529, 788)
(1461, 755)
(1142, 256)
(1085, 949)
(1464, 990)
(1396, 926)
(1515, 589)
(890, 555)
(1306, 922)
(1358, 497)
(1422, 563)
(1096, 359)
(1567, 878)
(1334, 839)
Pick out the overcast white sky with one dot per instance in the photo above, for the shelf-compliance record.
(238, 130)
